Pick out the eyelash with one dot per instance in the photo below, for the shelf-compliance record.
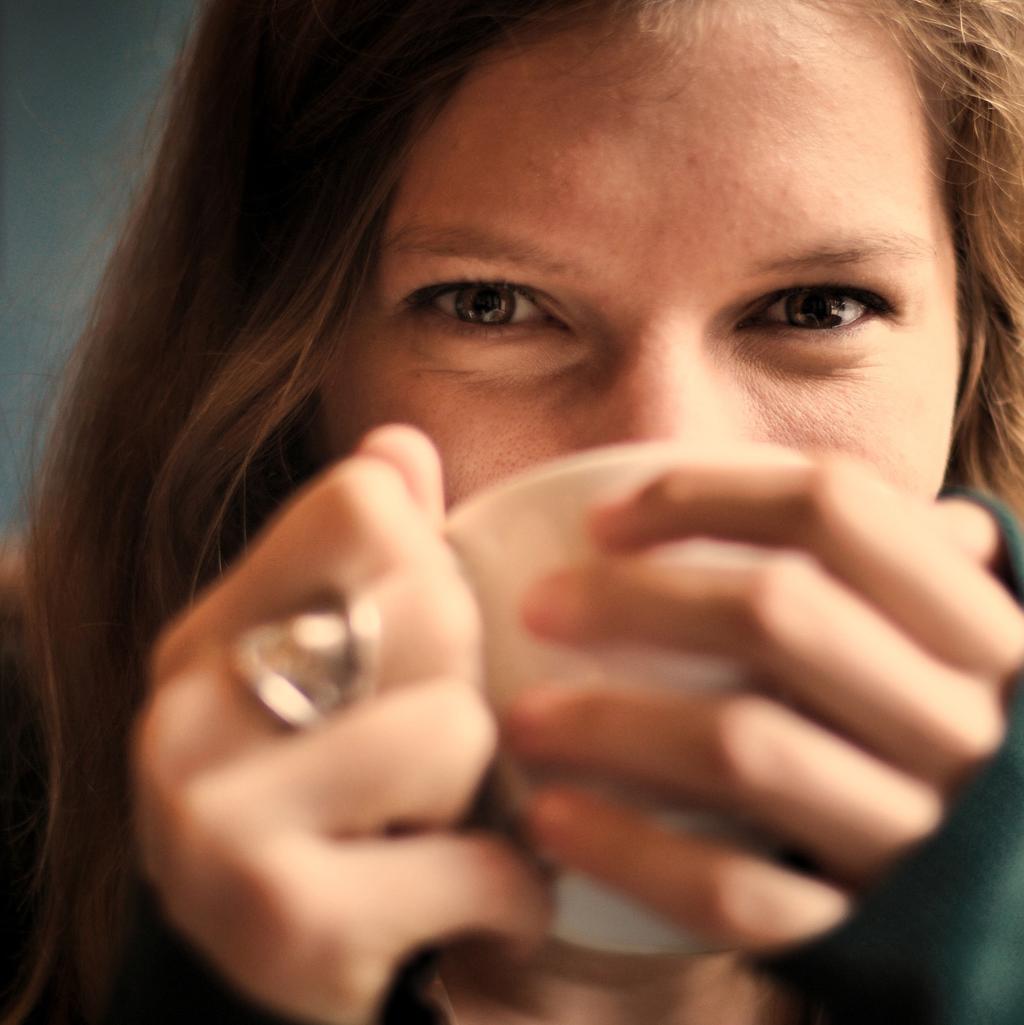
(423, 299)
(874, 306)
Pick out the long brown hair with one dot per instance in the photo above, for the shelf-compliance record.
(190, 399)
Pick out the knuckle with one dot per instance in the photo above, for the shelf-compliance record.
(743, 744)
(456, 737)
(349, 500)
(153, 733)
(165, 749)
(723, 899)
(831, 486)
(835, 474)
(332, 502)
(346, 482)
(969, 526)
(773, 591)
(446, 615)
(464, 724)
(667, 490)
(509, 895)
(361, 485)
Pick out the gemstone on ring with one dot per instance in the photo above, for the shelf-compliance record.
(303, 668)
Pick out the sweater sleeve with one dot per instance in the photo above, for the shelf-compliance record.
(941, 940)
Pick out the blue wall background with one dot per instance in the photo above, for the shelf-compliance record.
(78, 82)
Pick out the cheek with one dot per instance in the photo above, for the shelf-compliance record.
(921, 407)
(918, 438)
(475, 455)
(484, 436)
(895, 412)
(901, 424)
(481, 434)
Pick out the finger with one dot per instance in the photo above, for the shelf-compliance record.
(203, 710)
(477, 883)
(973, 529)
(336, 534)
(738, 753)
(411, 759)
(356, 531)
(413, 454)
(354, 525)
(809, 638)
(318, 930)
(723, 894)
(881, 543)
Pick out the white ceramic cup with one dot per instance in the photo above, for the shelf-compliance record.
(510, 535)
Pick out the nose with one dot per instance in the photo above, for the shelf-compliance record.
(668, 387)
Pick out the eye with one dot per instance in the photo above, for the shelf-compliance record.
(493, 304)
(822, 309)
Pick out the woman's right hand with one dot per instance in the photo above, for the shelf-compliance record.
(308, 866)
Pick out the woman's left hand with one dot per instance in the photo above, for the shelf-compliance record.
(884, 652)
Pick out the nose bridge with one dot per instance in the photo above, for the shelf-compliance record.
(665, 385)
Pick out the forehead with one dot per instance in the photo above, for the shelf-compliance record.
(757, 122)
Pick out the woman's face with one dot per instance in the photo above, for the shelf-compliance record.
(738, 235)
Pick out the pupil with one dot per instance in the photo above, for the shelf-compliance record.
(484, 305)
(816, 309)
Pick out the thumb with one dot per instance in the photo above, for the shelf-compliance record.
(414, 456)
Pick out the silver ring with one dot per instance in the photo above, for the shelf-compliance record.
(303, 668)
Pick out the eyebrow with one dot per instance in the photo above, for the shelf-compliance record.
(901, 246)
(470, 242)
(473, 242)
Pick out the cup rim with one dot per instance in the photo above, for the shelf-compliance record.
(575, 462)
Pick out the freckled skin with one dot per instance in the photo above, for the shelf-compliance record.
(661, 171)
